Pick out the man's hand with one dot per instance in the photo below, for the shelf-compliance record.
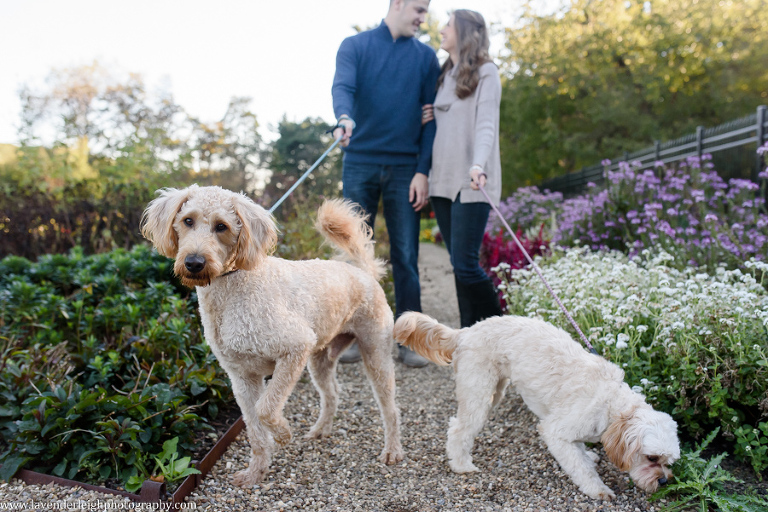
(348, 125)
(418, 194)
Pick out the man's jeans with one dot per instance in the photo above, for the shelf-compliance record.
(364, 184)
(462, 226)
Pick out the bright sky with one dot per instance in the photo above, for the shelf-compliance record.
(279, 52)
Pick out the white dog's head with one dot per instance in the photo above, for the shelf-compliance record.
(644, 443)
(209, 231)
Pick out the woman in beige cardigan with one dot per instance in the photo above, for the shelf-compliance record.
(465, 150)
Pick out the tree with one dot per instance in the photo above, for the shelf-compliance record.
(129, 130)
(605, 76)
(293, 153)
(229, 153)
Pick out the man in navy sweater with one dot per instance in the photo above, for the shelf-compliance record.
(383, 77)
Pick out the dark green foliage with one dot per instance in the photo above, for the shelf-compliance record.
(103, 361)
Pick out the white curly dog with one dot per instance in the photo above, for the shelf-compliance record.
(264, 315)
(579, 397)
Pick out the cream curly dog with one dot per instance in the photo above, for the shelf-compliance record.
(268, 316)
(579, 397)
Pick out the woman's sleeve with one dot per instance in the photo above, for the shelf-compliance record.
(487, 116)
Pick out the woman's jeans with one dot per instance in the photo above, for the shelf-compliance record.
(462, 226)
(365, 184)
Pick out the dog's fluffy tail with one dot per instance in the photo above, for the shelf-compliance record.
(342, 224)
(427, 337)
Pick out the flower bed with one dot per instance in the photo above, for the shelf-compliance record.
(668, 279)
(687, 210)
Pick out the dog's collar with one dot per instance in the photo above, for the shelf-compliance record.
(225, 274)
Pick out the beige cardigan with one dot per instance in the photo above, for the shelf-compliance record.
(467, 134)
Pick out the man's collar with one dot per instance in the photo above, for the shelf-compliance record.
(384, 32)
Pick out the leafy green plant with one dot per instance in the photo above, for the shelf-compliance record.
(169, 467)
(752, 444)
(700, 484)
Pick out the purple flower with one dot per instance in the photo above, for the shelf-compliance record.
(606, 162)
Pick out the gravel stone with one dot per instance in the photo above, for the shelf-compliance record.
(342, 473)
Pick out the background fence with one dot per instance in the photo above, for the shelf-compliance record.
(733, 147)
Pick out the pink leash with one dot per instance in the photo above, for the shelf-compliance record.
(536, 268)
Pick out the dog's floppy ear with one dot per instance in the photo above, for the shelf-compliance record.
(622, 441)
(157, 219)
(258, 233)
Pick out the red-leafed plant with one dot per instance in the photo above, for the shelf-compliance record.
(501, 248)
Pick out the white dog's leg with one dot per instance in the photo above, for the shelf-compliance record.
(376, 350)
(262, 444)
(474, 391)
(575, 460)
(592, 455)
(501, 387)
(322, 369)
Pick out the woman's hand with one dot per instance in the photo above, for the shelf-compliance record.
(477, 177)
(427, 113)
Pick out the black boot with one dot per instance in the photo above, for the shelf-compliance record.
(486, 300)
(466, 304)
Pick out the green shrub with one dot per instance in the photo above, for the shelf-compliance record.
(103, 361)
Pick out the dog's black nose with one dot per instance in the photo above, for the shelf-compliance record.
(663, 481)
(194, 263)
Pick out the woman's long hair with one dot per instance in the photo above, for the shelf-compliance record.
(473, 43)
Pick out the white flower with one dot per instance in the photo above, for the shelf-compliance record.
(622, 338)
(642, 328)
(637, 389)
(621, 344)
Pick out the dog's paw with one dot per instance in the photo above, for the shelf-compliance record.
(319, 432)
(250, 476)
(282, 435)
(592, 455)
(601, 492)
(392, 455)
(463, 467)
(281, 431)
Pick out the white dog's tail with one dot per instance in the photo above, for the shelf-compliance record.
(427, 337)
(342, 224)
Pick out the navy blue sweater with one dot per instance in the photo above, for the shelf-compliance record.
(382, 84)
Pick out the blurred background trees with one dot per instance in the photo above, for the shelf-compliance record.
(597, 78)
(591, 80)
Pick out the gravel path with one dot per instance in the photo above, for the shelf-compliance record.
(342, 472)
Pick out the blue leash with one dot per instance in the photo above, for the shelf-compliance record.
(298, 182)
